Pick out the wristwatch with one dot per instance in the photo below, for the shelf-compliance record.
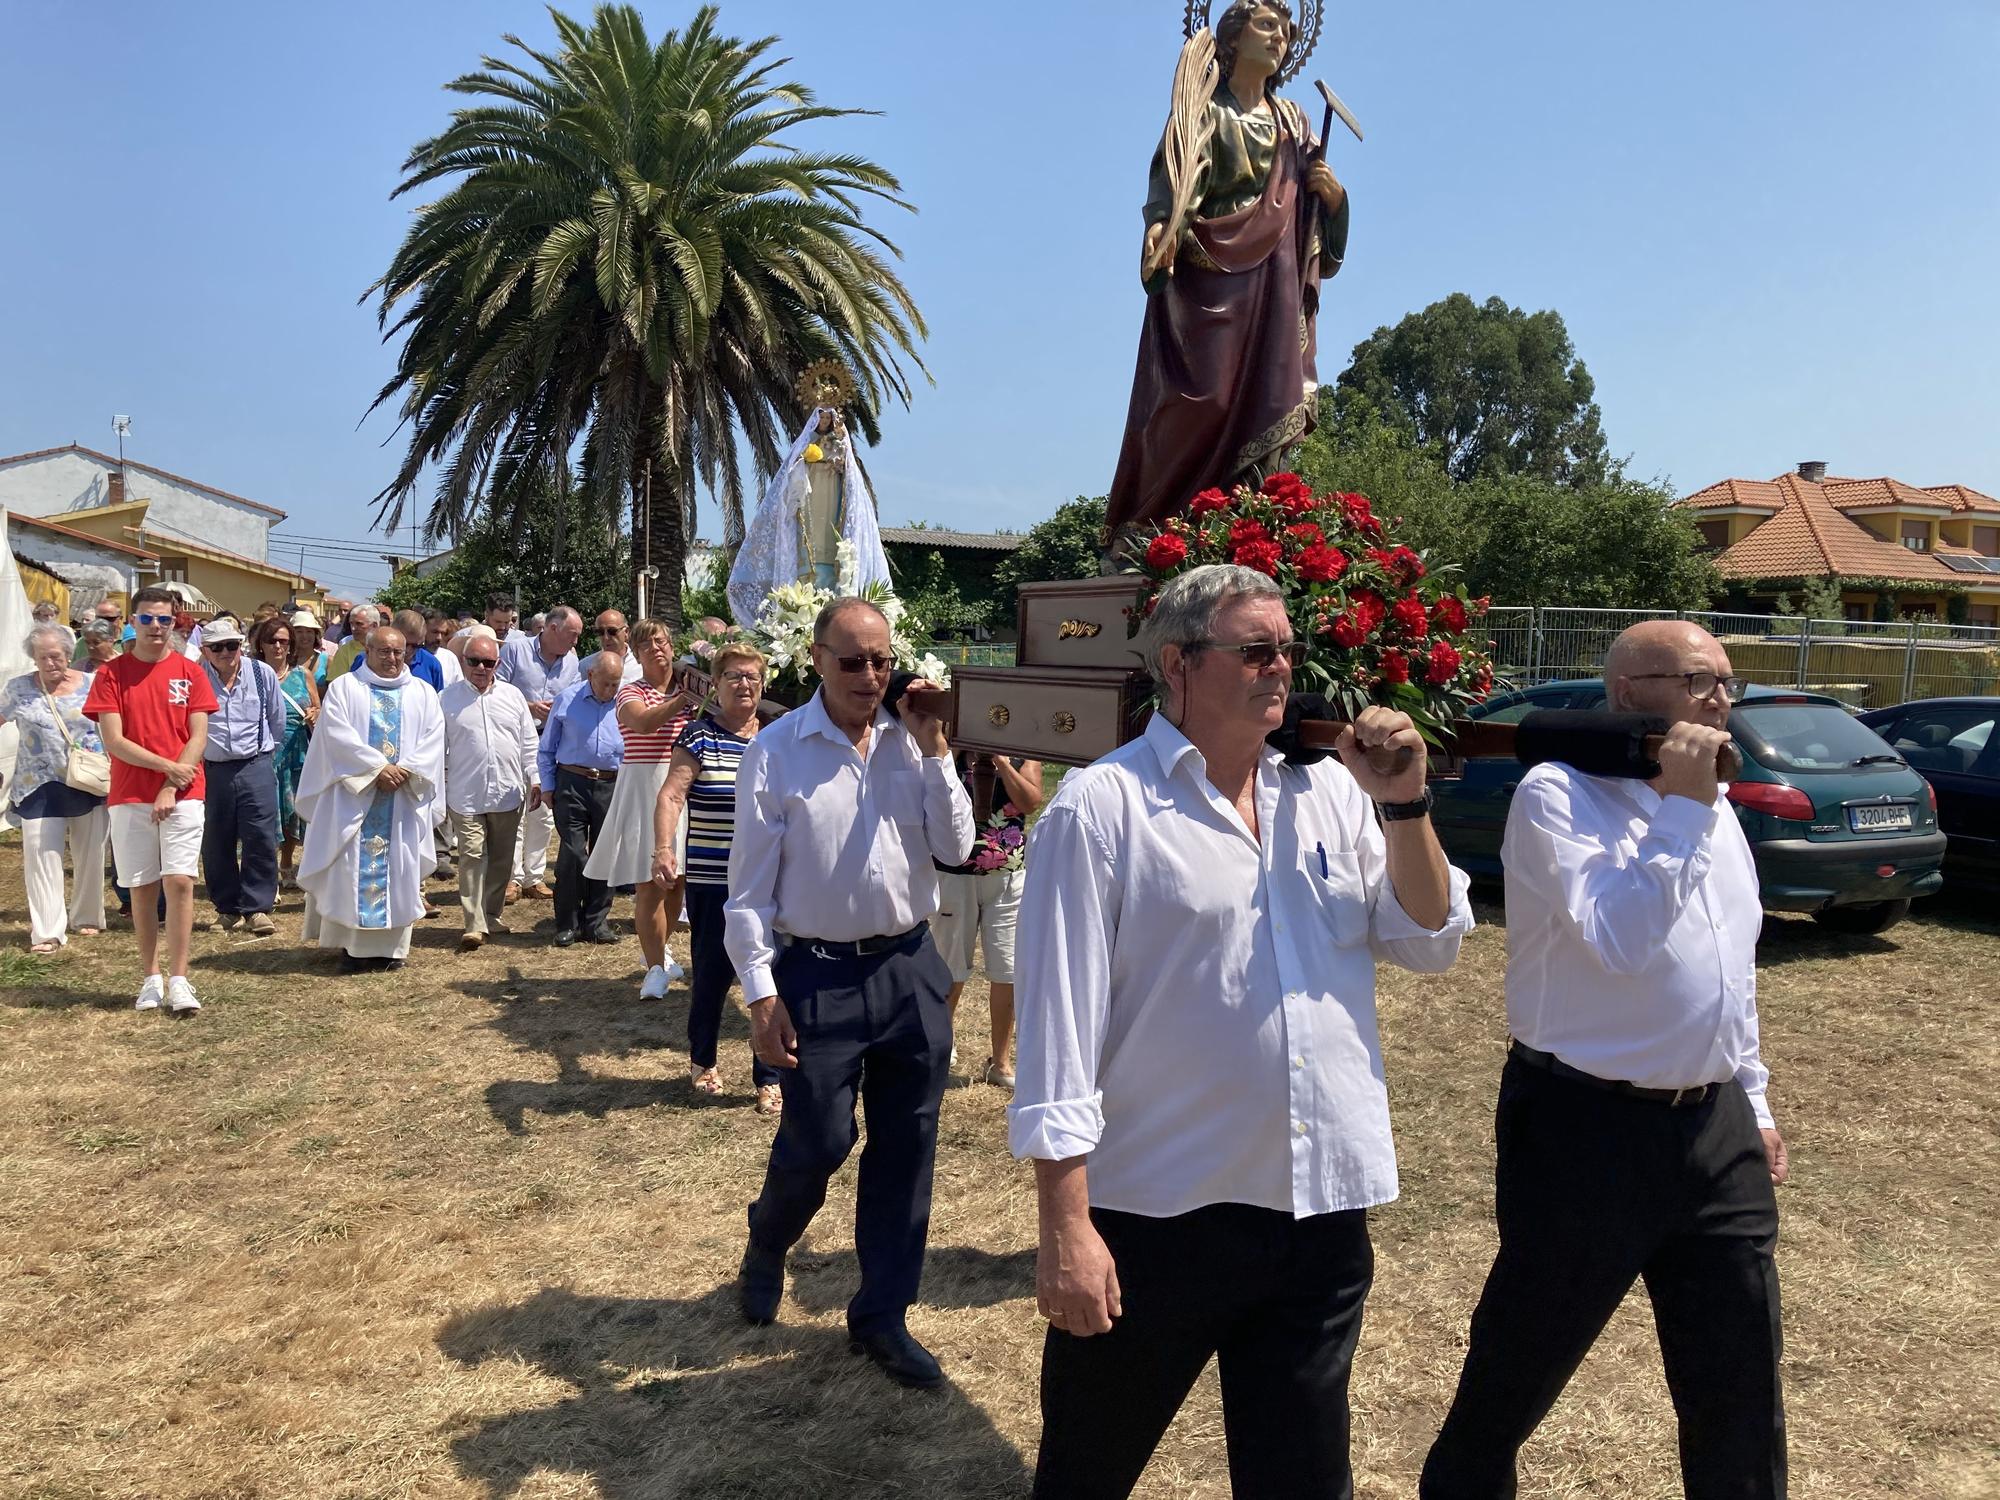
(1397, 812)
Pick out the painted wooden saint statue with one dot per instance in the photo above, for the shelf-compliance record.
(1243, 220)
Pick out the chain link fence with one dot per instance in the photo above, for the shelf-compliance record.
(975, 653)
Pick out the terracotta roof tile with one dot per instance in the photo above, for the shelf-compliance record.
(1963, 498)
(1749, 493)
(1810, 538)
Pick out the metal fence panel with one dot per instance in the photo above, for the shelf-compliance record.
(1766, 649)
(975, 653)
(1512, 631)
(1572, 642)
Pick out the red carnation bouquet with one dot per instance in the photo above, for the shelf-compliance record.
(1381, 624)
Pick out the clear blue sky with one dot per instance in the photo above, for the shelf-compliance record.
(1773, 227)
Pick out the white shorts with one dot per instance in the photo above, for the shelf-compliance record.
(973, 904)
(144, 850)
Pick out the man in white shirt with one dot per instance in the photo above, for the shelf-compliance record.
(841, 809)
(613, 635)
(489, 776)
(1634, 1136)
(1200, 1082)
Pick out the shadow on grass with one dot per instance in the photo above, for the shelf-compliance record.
(955, 1276)
(570, 1020)
(717, 1408)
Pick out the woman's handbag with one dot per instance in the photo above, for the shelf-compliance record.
(88, 771)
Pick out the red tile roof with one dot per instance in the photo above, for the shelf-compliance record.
(1810, 538)
(1748, 493)
(15, 518)
(106, 458)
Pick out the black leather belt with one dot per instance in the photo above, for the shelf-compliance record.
(589, 773)
(1548, 1062)
(861, 948)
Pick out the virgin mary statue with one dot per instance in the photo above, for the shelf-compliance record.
(1243, 220)
(818, 500)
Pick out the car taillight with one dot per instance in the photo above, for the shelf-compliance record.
(1930, 792)
(1777, 801)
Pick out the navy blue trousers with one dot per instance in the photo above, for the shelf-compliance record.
(711, 975)
(239, 835)
(879, 1026)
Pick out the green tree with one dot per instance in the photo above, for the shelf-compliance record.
(1069, 544)
(1354, 450)
(1818, 599)
(631, 265)
(553, 548)
(1491, 389)
(1611, 545)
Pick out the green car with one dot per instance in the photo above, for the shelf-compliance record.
(1840, 825)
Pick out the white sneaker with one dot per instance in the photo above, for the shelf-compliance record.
(675, 973)
(151, 993)
(180, 997)
(655, 984)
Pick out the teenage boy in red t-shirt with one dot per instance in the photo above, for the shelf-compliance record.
(152, 706)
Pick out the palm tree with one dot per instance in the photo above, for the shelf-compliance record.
(628, 270)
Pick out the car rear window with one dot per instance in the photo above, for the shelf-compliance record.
(1804, 736)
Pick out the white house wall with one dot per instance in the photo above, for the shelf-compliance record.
(68, 481)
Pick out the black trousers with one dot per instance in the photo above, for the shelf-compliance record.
(1594, 1190)
(879, 1025)
(239, 834)
(582, 904)
(711, 974)
(1277, 1301)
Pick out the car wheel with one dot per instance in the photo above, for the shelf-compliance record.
(1865, 919)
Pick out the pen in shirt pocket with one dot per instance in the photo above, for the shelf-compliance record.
(1322, 862)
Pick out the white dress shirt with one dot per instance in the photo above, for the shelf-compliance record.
(1196, 1006)
(1632, 925)
(831, 845)
(448, 667)
(489, 748)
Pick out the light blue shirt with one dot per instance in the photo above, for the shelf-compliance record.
(582, 731)
(540, 681)
(245, 722)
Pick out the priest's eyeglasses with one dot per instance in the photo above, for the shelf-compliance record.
(1700, 684)
(1258, 655)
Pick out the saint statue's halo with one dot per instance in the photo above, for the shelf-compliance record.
(1311, 17)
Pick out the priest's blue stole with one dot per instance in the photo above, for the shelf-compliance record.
(385, 727)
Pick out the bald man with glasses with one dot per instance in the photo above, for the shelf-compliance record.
(843, 806)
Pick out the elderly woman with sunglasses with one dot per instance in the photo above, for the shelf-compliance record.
(46, 706)
(271, 642)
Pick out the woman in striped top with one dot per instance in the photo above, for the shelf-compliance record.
(701, 784)
(652, 712)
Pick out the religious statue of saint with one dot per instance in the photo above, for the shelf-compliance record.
(1243, 220)
(823, 512)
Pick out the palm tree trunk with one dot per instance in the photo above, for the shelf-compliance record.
(659, 540)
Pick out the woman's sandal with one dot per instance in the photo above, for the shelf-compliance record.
(770, 1099)
(705, 1081)
(44, 948)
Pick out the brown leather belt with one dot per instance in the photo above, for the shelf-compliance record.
(589, 773)
(1548, 1062)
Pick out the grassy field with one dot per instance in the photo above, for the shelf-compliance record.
(466, 1231)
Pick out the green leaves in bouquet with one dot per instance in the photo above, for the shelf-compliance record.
(1381, 623)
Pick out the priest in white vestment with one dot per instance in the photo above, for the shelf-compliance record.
(371, 787)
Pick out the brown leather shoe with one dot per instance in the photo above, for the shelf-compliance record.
(471, 942)
(539, 891)
(513, 891)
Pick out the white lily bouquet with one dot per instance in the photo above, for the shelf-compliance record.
(783, 631)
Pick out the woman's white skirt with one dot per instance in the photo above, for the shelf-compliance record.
(623, 854)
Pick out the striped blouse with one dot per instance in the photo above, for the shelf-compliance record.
(712, 799)
(657, 747)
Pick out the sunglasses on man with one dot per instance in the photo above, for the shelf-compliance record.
(224, 645)
(152, 619)
(482, 663)
(857, 664)
(1258, 655)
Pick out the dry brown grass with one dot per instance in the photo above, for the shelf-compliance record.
(467, 1232)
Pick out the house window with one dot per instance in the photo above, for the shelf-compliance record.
(1986, 540)
(1917, 535)
(1983, 614)
(1856, 612)
(173, 572)
(1714, 534)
